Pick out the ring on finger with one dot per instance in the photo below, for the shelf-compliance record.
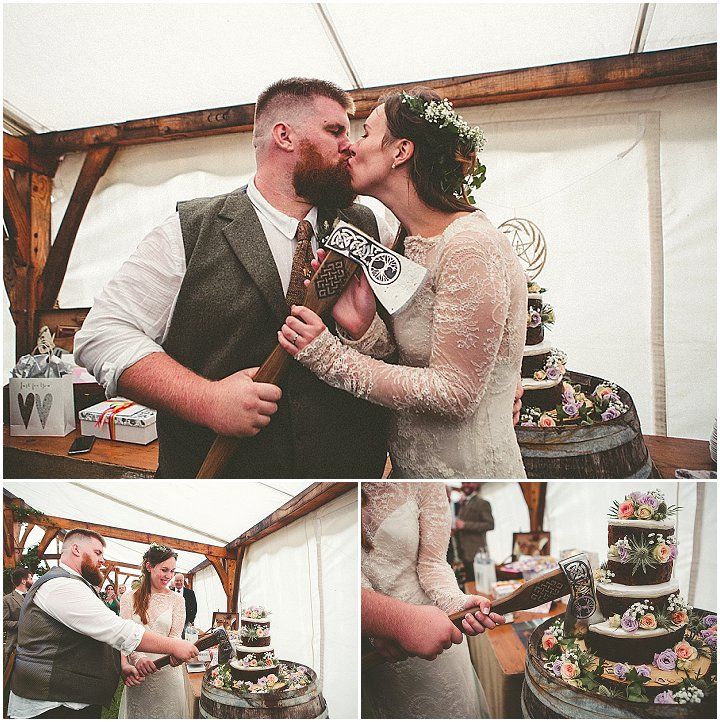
(295, 338)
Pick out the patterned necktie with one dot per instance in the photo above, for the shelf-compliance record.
(301, 268)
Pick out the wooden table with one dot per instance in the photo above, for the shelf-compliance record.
(46, 457)
(498, 657)
(196, 679)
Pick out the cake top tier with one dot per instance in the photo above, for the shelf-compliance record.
(642, 506)
(256, 613)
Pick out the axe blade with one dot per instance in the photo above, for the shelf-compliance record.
(583, 608)
(393, 278)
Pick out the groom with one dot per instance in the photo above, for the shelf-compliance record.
(69, 643)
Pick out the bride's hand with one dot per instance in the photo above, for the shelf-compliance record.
(300, 329)
(145, 666)
(389, 649)
(484, 619)
(131, 676)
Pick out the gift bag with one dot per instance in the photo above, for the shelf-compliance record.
(41, 406)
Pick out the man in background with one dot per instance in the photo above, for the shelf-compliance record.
(474, 520)
(22, 581)
(178, 585)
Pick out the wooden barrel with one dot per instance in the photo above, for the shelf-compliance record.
(611, 449)
(544, 696)
(304, 703)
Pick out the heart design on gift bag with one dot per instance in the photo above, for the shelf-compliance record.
(26, 407)
(44, 407)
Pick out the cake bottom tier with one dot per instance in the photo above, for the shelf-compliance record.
(251, 674)
(630, 648)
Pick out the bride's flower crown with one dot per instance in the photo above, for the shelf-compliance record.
(441, 114)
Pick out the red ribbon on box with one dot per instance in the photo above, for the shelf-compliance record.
(109, 415)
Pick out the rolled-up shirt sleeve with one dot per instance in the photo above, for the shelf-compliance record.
(130, 318)
(73, 604)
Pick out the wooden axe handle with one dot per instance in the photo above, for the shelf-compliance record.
(326, 286)
(539, 590)
(209, 640)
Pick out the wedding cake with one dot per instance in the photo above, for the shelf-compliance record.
(652, 646)
(255, 655)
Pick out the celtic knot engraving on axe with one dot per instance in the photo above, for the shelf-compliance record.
(331, 280)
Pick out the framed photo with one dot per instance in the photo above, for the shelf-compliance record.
(226, 620)
(531, 543)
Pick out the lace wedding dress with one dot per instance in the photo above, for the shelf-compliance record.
(408, 527)
(460, 344)
(165, 694)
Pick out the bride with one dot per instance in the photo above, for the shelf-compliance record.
(461, 339)
(406, 532)
(165, 693)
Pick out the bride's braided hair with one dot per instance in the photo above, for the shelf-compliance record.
(156, 554)
(442, 159)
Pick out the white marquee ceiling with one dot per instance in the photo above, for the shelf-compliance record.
(69, 65)
(211, 512)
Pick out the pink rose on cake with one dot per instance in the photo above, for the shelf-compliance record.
(679, 617)
(648, 621)
(661, 552)
(685, 650)
(546, 421)
(626, 510)
(548, 641)
(644, 512)
(569, 670)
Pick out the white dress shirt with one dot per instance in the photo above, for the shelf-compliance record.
(130, 319)
(73, 604)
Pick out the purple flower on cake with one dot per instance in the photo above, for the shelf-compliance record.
(665, 697)
(673, 552)
(709, 636)
(534, 319)
(620, 670)
(629, 624)
(635, 496)
(557, 664)
(666, 660)
(610, 413)
(614, 398)
(710, 620)
(553, 373)
(571, 408)
(644, 671)
(650, 500)
(623, 553)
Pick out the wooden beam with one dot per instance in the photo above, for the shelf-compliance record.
(235, 595)
(8, 537)
(219, 566)
(534, 493)
(129, 535)
(28, 528)
(50, 534)
(96, 163)
(16, 218)
(600, 75)
(18, 154)
(315, 496)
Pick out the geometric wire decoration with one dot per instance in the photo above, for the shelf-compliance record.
(529, 244)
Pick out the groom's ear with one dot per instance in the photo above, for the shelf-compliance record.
(404, 151)
(283, 136)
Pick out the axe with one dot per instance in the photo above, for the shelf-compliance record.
(393, 278)
(217, 636)
(574, 577)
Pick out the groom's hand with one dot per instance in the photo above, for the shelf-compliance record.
(182, 651)
(131, 676)
(427, 631)
(145, 666)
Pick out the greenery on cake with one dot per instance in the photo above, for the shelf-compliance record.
(253, 633)
(577, 667)
(577, 407)
(249, 661)
(534, 287)
(644, 615)
(288, 677)
(645, 552)
(648, 505)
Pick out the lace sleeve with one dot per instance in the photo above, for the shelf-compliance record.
(126, 605)
(434, 573)
(376, 342)
(470, 312)
(178, 616)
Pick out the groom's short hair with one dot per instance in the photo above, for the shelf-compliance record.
(83, 532)
(289, 94)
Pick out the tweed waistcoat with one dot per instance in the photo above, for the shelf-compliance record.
(58, 664)
(226, 317)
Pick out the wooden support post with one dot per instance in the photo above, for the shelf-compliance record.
(96, 163)
(234, 599)
(50, 534)
(220, 566)
(8, 537)
(534, 493)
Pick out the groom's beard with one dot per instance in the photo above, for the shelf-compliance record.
(322, 184)
(89, 572)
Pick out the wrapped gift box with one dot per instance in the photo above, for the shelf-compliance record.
(120, 420)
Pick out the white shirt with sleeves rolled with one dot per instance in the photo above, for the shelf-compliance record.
(131, 317)
(73, 604)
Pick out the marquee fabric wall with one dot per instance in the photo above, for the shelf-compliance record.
(306, 574)
(576, 516)
(621, 184)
